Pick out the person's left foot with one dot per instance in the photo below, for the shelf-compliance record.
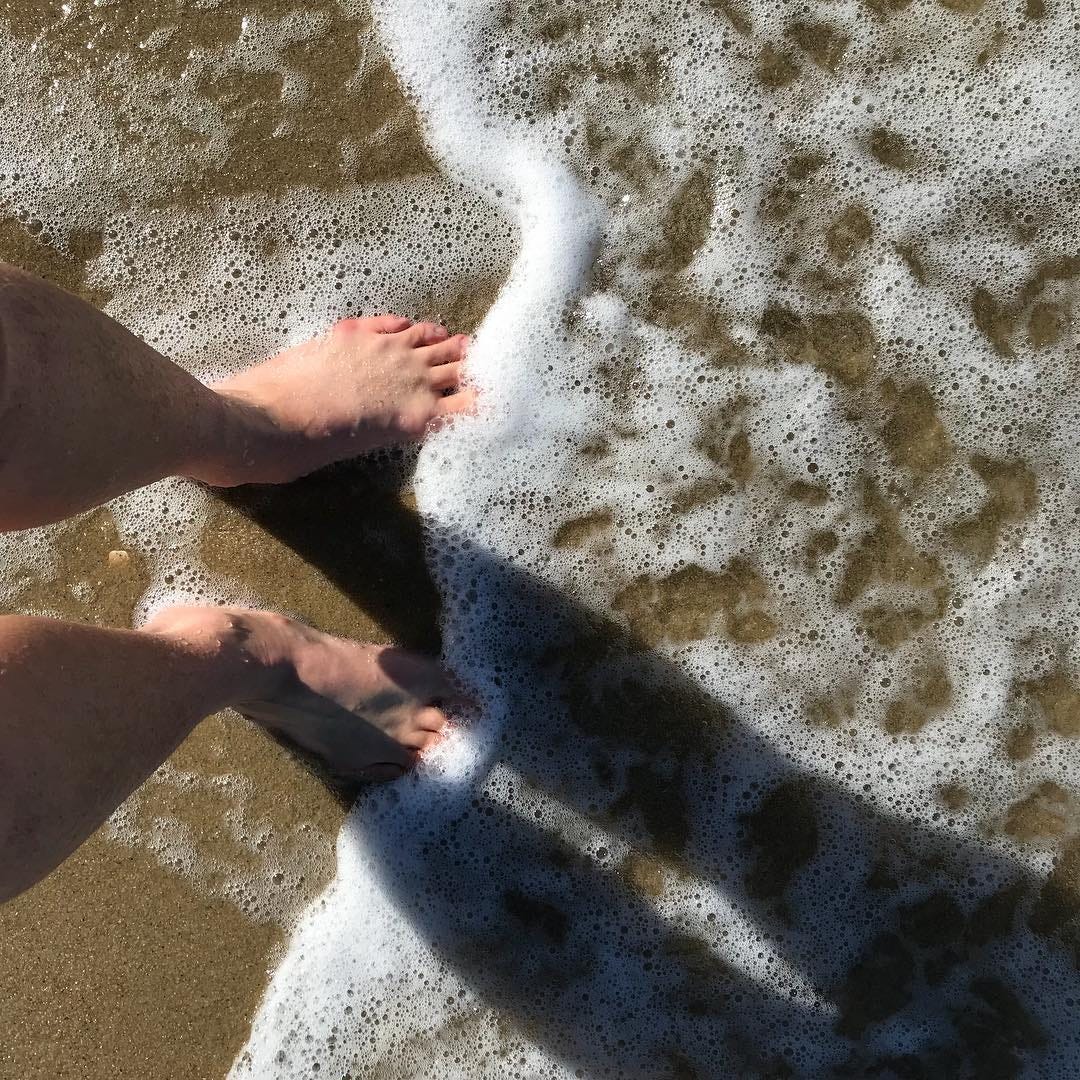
(365, 712)
(365, 384)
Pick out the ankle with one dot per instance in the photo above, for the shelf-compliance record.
(236, 444)
(225, 646)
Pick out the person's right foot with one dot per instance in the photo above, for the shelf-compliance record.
(366, 712)
(365, 384)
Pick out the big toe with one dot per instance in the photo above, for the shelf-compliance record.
(422, 740)
(431, 719)
(426, 729)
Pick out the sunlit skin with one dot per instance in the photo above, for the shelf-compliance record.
(87, 412)
(366, 384)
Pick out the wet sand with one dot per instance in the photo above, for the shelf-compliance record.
(113, 967)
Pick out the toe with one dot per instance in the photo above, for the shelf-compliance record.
(446, 376)
(387, 324)
(426, 333)
(446, 352)
(431, 719)
(421, 740)
(460, 403)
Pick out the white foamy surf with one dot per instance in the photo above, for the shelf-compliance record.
(567, 889)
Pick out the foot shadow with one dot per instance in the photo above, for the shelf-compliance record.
(356, 524)
(883, 946)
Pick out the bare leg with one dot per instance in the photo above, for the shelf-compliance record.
(86, 714)
(88, 411)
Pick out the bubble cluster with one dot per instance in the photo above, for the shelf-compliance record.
(760, 560)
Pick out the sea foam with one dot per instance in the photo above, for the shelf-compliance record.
(758, 557)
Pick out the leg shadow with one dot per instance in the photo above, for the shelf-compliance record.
(664, 893)
(355, 523)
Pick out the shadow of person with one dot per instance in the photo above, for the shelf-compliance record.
(640, 883)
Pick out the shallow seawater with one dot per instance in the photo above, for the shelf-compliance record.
(760, 555)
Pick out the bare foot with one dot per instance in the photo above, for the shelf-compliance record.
(366, 712)
(367, 383)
